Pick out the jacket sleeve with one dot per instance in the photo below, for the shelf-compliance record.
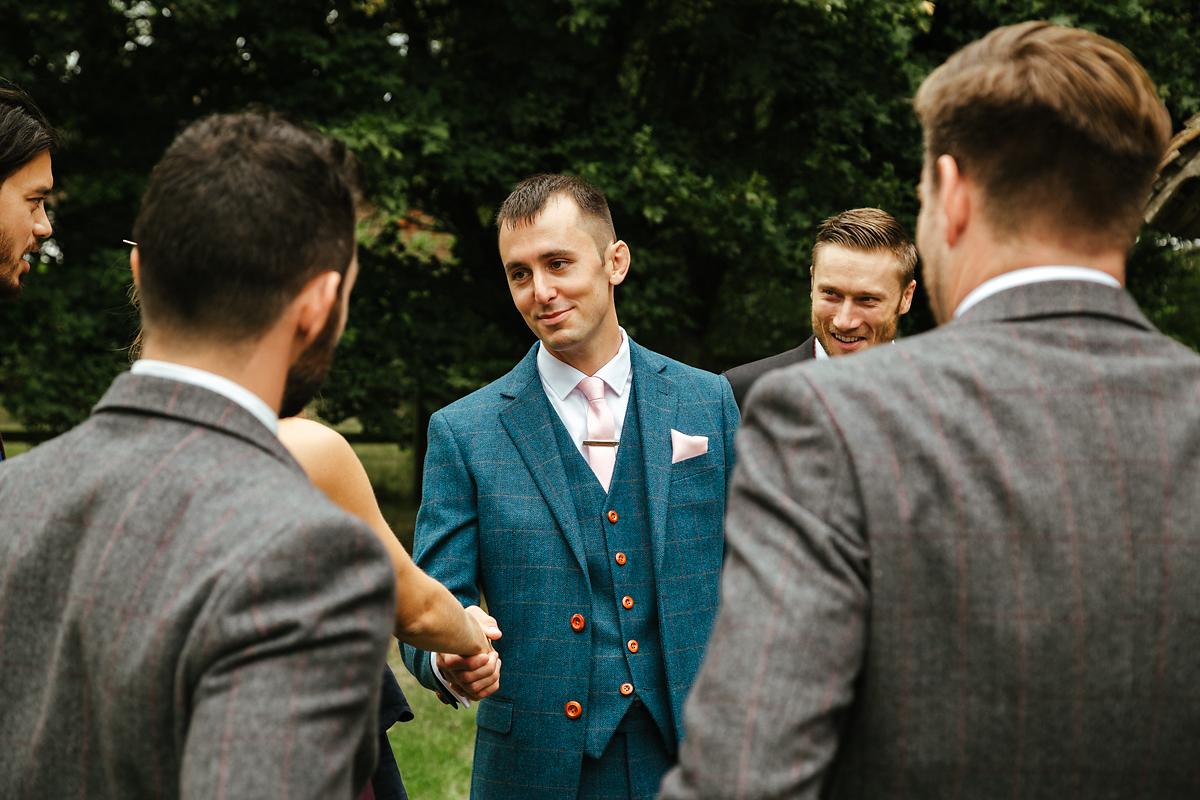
(788, 642)
(283, 670)
(446, 540)
(731, 418)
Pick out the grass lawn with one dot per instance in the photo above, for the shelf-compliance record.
(435, 750)
(15, 448)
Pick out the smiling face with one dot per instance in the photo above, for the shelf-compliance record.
(23, 220)
(857, 298)
(562, 276)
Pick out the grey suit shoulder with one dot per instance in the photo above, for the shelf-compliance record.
(182, 612)
(982, 543)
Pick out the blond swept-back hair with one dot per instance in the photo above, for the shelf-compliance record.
(868, 230)
(1059, 126)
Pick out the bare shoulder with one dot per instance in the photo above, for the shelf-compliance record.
(319, 449)
(333, 467)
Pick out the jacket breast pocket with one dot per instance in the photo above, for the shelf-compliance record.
(693, 468)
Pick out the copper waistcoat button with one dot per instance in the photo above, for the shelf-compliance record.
(613, 517)
(627, 601)
(578, 622)
(621, 559)
(632, 645)
(573, 709)
(626, 689)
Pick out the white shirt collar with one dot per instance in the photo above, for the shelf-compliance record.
(214, 383)
(1027, 275)
(561, 378)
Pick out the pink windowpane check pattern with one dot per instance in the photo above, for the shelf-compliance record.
(600, 427)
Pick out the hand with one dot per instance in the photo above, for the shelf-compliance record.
(474, 677)
(487, 623)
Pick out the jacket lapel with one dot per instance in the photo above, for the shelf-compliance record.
(528, 422)
(657, 407)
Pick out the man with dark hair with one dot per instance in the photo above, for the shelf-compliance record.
(583, 493)
(27, 143)
(182, 614)
(966, 565)
(863, 278)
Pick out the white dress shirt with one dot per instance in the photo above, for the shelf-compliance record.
(560, 382)
(214, 383)
(1028, 275)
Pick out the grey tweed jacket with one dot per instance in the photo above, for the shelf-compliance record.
(182, 614)
(964, 566)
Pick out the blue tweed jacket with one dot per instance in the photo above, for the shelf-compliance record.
(497, 517)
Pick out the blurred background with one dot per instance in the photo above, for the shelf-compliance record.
(722, 131)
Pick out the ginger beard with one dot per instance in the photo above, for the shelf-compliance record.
(858, 297)
(883, 330)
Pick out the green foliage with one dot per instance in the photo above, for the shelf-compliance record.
(723, 131)
(435, 750)
(1164, 276)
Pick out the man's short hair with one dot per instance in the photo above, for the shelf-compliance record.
(529, 198)
(869, 229)
(1059, 126)
(240, 213)
(24, 130)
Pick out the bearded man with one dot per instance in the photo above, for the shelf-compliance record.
(27, 143)
(863, 268)
(182, 613)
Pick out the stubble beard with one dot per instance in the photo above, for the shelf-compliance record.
(884, 332)
(10, 274)
(305, 377)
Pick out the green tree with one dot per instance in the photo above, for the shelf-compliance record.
(722, 131)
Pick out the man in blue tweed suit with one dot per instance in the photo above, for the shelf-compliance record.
(583, 494)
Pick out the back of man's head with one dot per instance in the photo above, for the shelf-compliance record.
(1061, 128)
(240, 213)
(869, 230)
(24, 130)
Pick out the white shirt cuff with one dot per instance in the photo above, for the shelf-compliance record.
(438, 674)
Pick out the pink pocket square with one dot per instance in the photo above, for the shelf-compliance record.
(684, 447)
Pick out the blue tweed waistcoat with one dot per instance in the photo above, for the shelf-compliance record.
(612, 625)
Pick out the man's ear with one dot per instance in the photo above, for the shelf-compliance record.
(907, 296)
(314, 304)
(954, 198)
(135, 266)
(618, 262)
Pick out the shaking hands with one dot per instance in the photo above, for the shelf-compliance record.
(475, 676)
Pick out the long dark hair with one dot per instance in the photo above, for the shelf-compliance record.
(24, 130)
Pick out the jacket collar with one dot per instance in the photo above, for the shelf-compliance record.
(152, 396)
(1056, 299)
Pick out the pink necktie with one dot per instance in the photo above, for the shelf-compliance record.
(600, 428)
